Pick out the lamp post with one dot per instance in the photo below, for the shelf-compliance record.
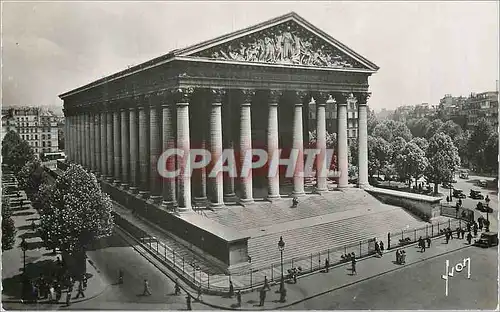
(281, 247)
(24, 247)
(487, 200)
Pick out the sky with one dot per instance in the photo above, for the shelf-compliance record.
(424, 49)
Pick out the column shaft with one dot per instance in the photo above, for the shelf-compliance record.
(104, 141)
(216, 176)
(125, 146)
(246, 147)
(362, 146)
(134, 150)
(298, 145)
(92, 141)
(97, 142)
(168, 138)
(80, 139)
(183, 143)
(87, 141)
(321, 166)
(144, 151)
(273, 147)
(109, 138)
(155, 145)
(342, 153)
(228, 144)
(117, 149)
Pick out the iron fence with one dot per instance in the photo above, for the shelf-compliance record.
(410, 236)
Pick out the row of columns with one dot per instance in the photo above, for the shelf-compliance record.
(123, 145)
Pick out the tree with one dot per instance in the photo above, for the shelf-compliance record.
(379, 153)
(8, 226)
(397, 147)
(433, 128)
(461, 142)
(74, 212)
(411, 163)
(387, 129)
(353, 152)
(15, 151)
(31, 176)
(491, 153)
(418, 126)
(477, 143)
(451, 129)
(372, 121)
(401, 130)
(443, 159)
(420, 142)
(383, 131)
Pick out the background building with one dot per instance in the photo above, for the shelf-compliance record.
(35, 125)
(482, 105)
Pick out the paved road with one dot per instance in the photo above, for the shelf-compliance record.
(114, 253)
(420, 287)
(471, 183)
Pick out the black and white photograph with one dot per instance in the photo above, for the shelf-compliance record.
(250, 155)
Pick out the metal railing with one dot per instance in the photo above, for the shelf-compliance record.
(451, 211)
(410, 236)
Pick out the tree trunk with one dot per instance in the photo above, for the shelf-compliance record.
(436, 188)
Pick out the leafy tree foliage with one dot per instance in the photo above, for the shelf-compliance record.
(397, 147)
(451, 129)
(383, 130)
(478, 144)
(491, 153)
(15, 151)
(31, 176)
(390, 129)
(443, 159)
(411, 162)
(418, 126)
(372, 121)
(353, 152)
(433, 128)
(74, 211)
(8, 226)
(420, 142)
(379, 154)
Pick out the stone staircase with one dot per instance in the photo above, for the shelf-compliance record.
(304, 241)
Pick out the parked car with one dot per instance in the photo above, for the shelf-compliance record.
(446, 185)
(487, 239)
(484, 208)
(476, 194)
(464, 174)
(459, 193)
(482, 183)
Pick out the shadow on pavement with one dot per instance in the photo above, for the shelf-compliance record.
(32, 219)
(29, 235)
(35, 245)
(12, 286)
(24, 227)
(26, 213)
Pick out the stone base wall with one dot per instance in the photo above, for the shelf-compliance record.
(425, 207)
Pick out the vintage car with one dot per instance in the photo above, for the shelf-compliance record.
(459, 193)
(487, 239)
(483, 208)
(474, 194)
(464, 174)
(482, 183)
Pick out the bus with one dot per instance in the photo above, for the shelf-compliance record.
(53, 156)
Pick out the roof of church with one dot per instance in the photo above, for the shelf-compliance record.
(196, 48)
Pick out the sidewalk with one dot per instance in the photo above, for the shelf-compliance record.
(315, 284)
(37, 256)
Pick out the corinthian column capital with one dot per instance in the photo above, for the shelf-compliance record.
(248, 95)
(217, 95)
(274, 96)
(363, 98)
(183, 95)
(299, 97)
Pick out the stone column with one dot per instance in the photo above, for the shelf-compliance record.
(109, 145)
(155, 146)
(83, 161)
(200, 135)
(104, 141)
(88, 161)
(79, 135)
(144, 149)
(125, 146)
(67, 148)
(246, 145)
(298, 144)
(183, 143)
(168, 140)
(321, 167)
(92, 140)
(98, 138)
(117, 149)
(228, 138)
(273, 143)
(215, 174)
(363, 141)
(342, 146)
(134, 148)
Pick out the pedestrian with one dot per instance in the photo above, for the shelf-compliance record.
(177, 288)
(398, 257)
(327, 265)
(381, 247)
(266, 284)
(450, 233)
(238, 298)
(52, 293)
(447, 237)
(460, 202)
(199, 293)
(428, 239)
(147, 291)
(262, 297)
(188, 302)
(231, 289)
(80, 290)
(458, 232)
(377, 248)
(353, 264)
(463, 233)
(475, 231)
(469, 238)
(68, 297)
(403, 257)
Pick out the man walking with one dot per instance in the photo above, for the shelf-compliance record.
(231, 289)
(469, 238)
(428, 239)
(327, 265)
(177, 288)
(238, 298)
(262, 297)
(353, 263)
(80, 290)
(266, 284)
(147, 291)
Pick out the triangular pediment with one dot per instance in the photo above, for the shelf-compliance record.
(290, 41)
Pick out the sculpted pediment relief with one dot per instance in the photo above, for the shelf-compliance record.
(286, 43)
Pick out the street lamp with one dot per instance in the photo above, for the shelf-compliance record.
(281, 247)
(24, 247)
(487, 200)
